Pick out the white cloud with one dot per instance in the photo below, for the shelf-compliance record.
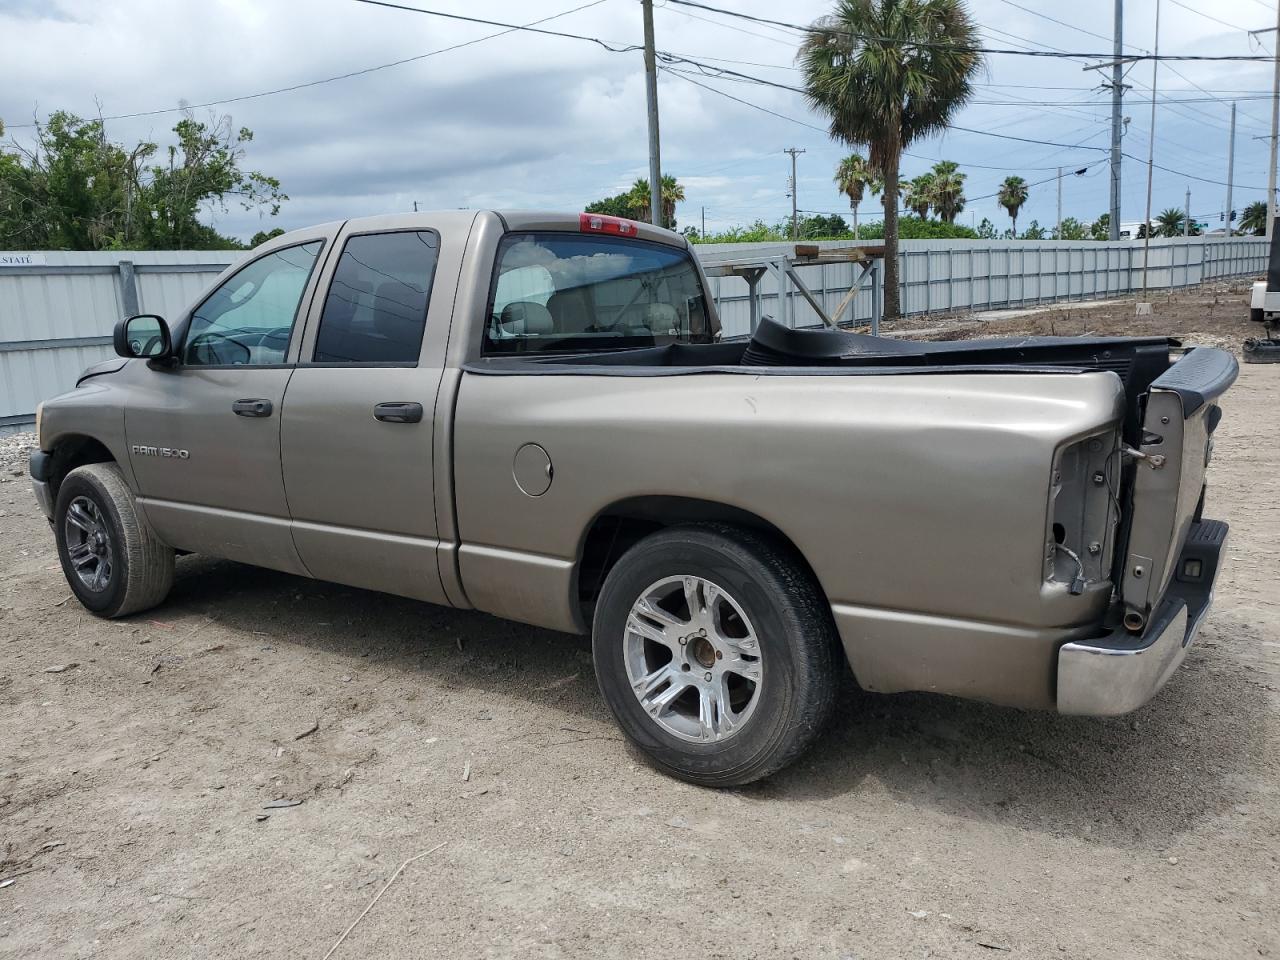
(535, 121)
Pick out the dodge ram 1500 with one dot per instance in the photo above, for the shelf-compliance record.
(535, 415)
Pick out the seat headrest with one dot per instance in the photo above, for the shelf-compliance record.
(662, 318)
(527, 317)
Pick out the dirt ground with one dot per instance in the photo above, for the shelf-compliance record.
(133, 782)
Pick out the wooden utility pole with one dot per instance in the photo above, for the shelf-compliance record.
(651, 97)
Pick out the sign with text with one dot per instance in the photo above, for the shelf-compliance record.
(21, 259)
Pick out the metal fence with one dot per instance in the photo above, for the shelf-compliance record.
(947, 276)
(57, 309)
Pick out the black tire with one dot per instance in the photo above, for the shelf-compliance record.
(139, 569)
(797, 641)
(1256, 315)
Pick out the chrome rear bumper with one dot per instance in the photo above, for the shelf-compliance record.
(1119, 672)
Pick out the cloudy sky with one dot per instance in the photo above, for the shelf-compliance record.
(523, 120)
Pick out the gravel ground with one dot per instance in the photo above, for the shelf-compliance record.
(133, 785)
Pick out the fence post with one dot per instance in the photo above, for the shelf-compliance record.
(128, 288)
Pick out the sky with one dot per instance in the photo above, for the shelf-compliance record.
(521, 120)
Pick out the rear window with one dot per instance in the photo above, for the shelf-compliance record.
(571, 293)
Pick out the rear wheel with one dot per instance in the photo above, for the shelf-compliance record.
(112, 559)
(1256, 315)
(716, 653)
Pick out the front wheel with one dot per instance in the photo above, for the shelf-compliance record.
(113, 561)
(716, 653)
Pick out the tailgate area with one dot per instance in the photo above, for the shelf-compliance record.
(1168, 555)
(1121, 671)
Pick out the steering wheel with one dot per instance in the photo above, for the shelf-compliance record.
(219, 348)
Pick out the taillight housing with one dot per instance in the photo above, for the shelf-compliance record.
(599, 223)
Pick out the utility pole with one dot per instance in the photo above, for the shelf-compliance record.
(795, 213)
(415, 206)
(704, 222)
(1151, 146)
(651, 96)
(1058, 229)
(1117, 123)
(1186, 218)
(1275, 123)
(1231, 166)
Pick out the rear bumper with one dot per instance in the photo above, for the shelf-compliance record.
(1119, 672)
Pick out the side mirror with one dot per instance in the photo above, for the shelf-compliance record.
(145, 335)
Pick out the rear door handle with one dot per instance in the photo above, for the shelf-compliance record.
(252, 408)
(398, 412)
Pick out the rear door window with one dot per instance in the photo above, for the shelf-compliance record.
(568, 293)
(376, 308)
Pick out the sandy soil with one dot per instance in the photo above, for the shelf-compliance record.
(133, 784)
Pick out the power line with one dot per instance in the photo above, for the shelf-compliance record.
(985, 133)
(342, 76)
(782, 116)
(1064, 54)
(1061, 23)
(527, 28)
(1201, 13)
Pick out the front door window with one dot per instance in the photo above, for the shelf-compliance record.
(248, 320)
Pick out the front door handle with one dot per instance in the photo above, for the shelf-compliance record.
(252, 408)
(398, 412)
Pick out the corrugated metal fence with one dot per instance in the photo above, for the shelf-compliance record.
(944, 276)
(57, 312)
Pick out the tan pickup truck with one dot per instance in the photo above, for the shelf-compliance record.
(535, 415)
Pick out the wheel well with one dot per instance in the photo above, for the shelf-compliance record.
(75, 451)
(624, 524)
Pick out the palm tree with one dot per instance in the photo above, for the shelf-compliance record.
(1169, 223)
(886, 73)
(1013, 194)
(853, 177)
(948, 190)
(1255, 219)
(637, 199)
(920, 195)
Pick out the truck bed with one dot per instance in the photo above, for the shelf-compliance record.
(778, 350)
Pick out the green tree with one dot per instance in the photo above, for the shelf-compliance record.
(619, 206)
(262, 236)
(1071, 229)
(637, 199)
(948, 190)
(1169, 223)
(823, 227)
(1100, 229)
(1034, 232)
(1254, 219)
(986, 229)
(886, 73)
(1013, 194)
(919, 196)
(854, 177)
(203, 169)
(72, 188)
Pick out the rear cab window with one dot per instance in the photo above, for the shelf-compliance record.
(572, 293)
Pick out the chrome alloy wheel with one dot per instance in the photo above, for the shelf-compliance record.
(89, 546)
(693, 659)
